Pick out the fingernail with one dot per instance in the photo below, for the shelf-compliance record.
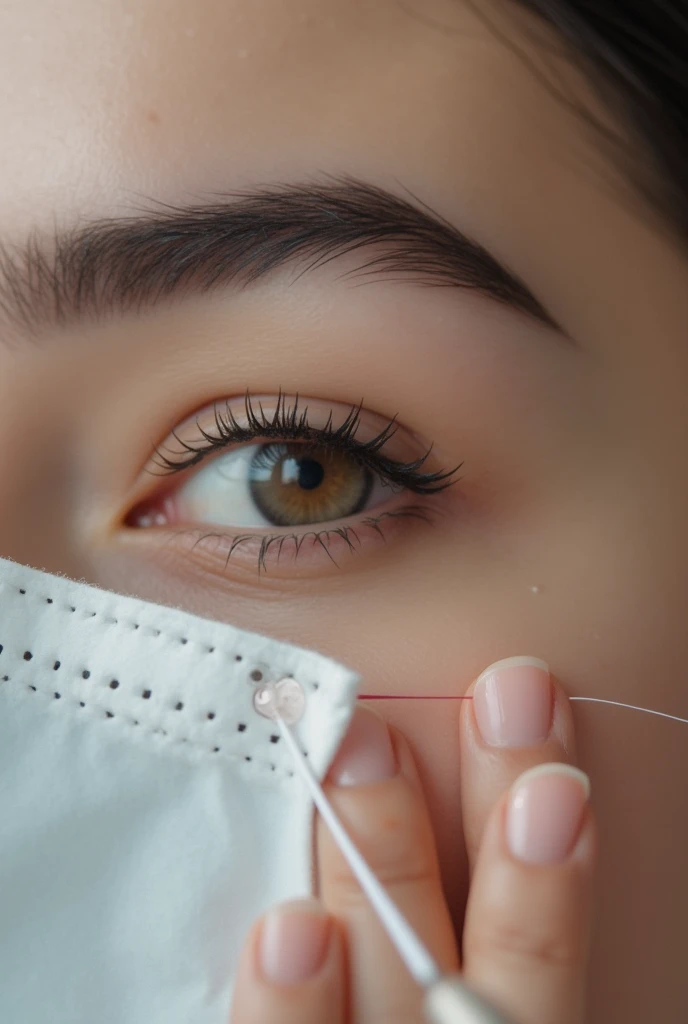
(366, 754)
(293, 942)
(545, 812)
(512, 701)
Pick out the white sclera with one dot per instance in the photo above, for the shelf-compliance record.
(220, 492)
(285, 698)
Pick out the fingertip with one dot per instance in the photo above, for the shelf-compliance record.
(514, 662)
(291, 968)
(518, 703)
(293, 941)
(529, 916)
(366, 753)
(545, 811)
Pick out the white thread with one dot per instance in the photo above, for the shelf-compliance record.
(412, 951)
(447, 696)
(633, 707)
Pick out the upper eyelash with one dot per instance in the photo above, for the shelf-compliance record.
(288, 423)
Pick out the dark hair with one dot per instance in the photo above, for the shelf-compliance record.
(635, 53)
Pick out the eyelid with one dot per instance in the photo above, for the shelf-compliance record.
(292, 423)
(366, 436)
(293, 554)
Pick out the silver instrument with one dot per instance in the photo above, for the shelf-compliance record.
(448, 1000)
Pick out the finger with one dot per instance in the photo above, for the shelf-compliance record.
(528, 917)
(519, 717)
(375, 789)
(292, 969)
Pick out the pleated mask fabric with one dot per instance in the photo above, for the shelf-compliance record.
(148, 812)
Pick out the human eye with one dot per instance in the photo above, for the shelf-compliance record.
(271, 477)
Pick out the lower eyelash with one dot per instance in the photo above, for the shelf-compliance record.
(323, 538)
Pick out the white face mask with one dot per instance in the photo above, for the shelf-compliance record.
(148, 813)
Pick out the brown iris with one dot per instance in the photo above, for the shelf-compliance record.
(297, 484)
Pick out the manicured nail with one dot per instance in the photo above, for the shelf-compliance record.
(293, 942)
(512, 701)
(545, 812)
(366, 754)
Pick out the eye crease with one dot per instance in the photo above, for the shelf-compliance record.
(258, 468)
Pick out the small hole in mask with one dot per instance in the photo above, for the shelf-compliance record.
(146, 694)
(72, 608)
(32, 688)
(57, 695)
(22, 591)
(5, 679)
(256, 675)
(242, 727)
(85, 674)
(274, 739)
(216, 750)
(114, 684)
(28, 655)
(178, 706)
(248, 758)
(1, 648)
(183, 640)
(48, 600)
(56, 666)
(316, 686)
(211, 715)
(238, 657)
(211, 650)
(81, 704)
(109, 714)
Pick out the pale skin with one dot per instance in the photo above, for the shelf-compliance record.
(526, 936)
(565, 536)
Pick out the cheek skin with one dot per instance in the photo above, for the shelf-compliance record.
(608, 617)
(433, 622)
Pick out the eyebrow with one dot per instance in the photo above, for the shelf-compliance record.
(118, 265)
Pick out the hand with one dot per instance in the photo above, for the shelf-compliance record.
(529, 833)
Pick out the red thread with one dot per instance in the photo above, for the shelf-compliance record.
(594, 700)
(410, 696)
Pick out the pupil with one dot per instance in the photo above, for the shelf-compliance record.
(311, 474)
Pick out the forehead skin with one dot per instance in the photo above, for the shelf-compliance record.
(107, 104)
(104, 105)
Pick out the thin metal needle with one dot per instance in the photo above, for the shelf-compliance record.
(421, 965)
(448, 1000)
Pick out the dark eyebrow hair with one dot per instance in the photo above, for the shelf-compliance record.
(122, 264)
